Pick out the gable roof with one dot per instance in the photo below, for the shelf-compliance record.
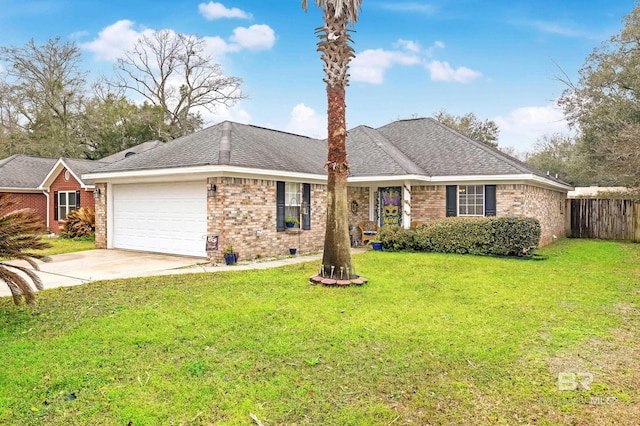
(77, 167)
(25, 172)
(231, 144)
(420, 148)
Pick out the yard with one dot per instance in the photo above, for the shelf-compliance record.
(67, 245)
(432, 339)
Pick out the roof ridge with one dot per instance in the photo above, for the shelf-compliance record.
(392, 151)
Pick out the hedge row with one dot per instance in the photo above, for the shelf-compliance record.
(504, 236)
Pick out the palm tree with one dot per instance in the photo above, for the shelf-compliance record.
(20, 232)
(337, 52)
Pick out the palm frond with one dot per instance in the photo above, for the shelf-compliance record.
(20, 236)
(347, 8)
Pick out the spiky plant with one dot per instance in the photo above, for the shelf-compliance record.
(20, 236)
(336, 53)
(80, 223)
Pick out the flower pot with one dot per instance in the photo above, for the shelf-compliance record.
(292, 251)
(377, 245)
(230, 258)
(290, 224)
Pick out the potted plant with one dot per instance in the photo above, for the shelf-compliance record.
(291, 222)
(230, 256)
(376, 244)
(292, 251)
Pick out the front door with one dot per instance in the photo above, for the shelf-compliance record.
(390, 205)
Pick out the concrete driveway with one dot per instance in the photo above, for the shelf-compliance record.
(92, 265)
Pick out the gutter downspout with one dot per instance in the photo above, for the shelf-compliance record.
(47, 195)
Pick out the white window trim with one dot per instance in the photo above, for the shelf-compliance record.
(483, 202)
(293, 201)
(69, 208)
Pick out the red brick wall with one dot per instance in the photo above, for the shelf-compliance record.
(61, 184)
(37, 202)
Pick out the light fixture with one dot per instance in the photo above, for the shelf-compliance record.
(97, 193)
(211, 191)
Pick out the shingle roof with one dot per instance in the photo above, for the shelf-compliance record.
(24, 172)
(29, 172)
(405, 147)
(441, 151)
(145, 146)
(250, 146)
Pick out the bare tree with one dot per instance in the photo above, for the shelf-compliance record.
(43, 93)
(173, 71)
(337, 53)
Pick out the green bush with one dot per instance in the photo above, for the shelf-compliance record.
(505, 236)
(396, 238)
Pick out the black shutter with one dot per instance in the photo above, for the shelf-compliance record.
(452, 200)
(306, 202)
(55, 205)
(489, 200)
(279, 206)
(77, 200)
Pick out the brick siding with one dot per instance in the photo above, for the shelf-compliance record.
(243, 214)
(61, 184)
(37, 202)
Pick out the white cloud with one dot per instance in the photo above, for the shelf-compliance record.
(213, 10)
(256, 37)
(555, 28)
(114, 40)
(411, 46)
(522, 127)
(369, 66)
(442, 71)
(305, 121)
(223, 113)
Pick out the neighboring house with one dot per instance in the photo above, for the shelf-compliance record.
(234, 184)
(54, 187)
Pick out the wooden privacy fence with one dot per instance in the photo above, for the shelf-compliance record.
(605, 219)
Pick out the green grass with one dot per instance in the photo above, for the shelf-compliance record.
(432, 339)
(67, 245)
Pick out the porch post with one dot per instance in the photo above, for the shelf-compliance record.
(406, 208)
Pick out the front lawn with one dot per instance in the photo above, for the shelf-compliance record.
(432, 339)
(67, 245)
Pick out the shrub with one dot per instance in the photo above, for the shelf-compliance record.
(79, 223)
(506, 236)
(20, 236)
(395, 237)
(515, 236)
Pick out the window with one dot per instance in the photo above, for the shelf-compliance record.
(65, 202)
(471, 200)
(293, 199)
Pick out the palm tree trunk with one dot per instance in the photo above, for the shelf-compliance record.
(337, 243)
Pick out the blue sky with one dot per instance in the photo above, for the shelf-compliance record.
(496, 59)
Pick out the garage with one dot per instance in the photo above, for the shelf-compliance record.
(161, 217)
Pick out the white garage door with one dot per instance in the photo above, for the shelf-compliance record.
(161, 217)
